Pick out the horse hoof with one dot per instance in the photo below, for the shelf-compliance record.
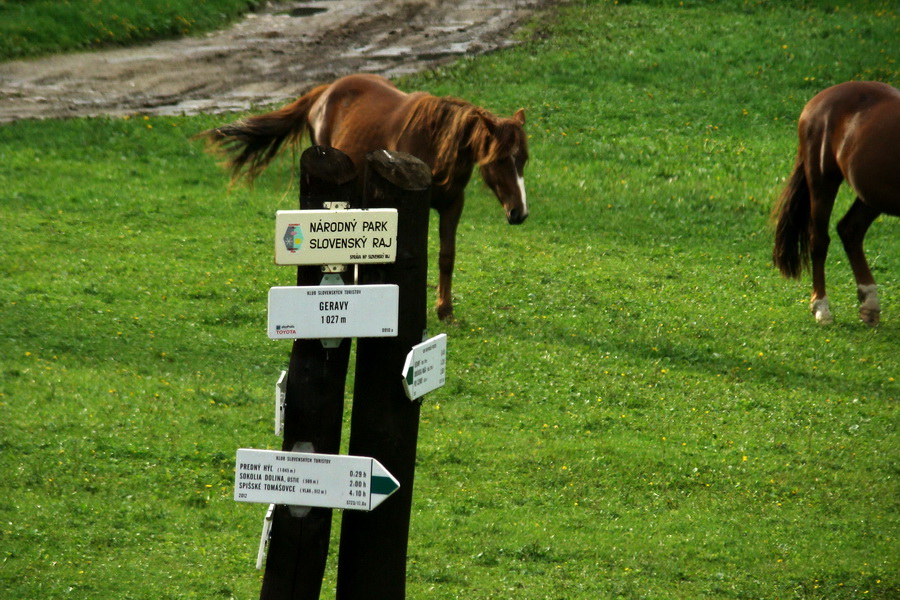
(822, 311)
(824, 318)
(445, 314)
(870, 316)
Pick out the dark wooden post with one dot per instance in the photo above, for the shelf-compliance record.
(384, 422)
(314, 403)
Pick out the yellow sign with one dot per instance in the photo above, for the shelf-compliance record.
(335, 237)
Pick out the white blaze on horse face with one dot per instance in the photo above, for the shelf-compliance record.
(520, 180)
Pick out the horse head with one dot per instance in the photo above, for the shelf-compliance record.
(502, 157)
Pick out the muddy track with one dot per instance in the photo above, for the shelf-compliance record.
(271, 56)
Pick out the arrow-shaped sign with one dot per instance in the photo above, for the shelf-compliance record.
(307, 479)
(425, 369)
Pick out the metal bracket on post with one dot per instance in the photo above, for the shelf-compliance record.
(331, 279)
(331, 276)
(298, 512)
(328, 278)
(335, 268)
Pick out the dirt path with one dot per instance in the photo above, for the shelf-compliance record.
(271, 56)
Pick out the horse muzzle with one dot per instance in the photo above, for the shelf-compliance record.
(516, 216)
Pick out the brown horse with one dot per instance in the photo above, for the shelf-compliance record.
(359, 114)
(847, 132)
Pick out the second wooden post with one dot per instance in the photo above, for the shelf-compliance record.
(384, 422)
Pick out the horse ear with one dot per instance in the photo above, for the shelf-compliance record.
(520, 116)
(489, 123)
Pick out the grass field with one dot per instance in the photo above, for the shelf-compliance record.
(637, 405)
(36, 27)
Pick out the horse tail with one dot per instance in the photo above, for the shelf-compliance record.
(792, 216)
(252, 143)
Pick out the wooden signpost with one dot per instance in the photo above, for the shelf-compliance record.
(314, 402)
(386, 310)
(384, 424)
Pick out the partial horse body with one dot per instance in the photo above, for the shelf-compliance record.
(849, 132)
(359, 114)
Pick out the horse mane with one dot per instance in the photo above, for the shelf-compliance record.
(462, 134)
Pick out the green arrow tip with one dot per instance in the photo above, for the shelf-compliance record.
(383, 485)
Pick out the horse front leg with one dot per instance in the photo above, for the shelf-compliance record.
(852, 230)
(449, 220)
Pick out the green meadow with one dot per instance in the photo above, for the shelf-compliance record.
(637, 405)
(37, 27)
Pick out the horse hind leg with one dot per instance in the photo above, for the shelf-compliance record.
(821, 204)
(852, 230)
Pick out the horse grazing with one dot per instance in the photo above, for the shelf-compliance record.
(359, 114)
(847, 132)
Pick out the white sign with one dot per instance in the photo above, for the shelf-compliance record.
(425, 369)
(265, 537)
(306, 479)
(325, 237)
(280, 401)
(333, 311)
